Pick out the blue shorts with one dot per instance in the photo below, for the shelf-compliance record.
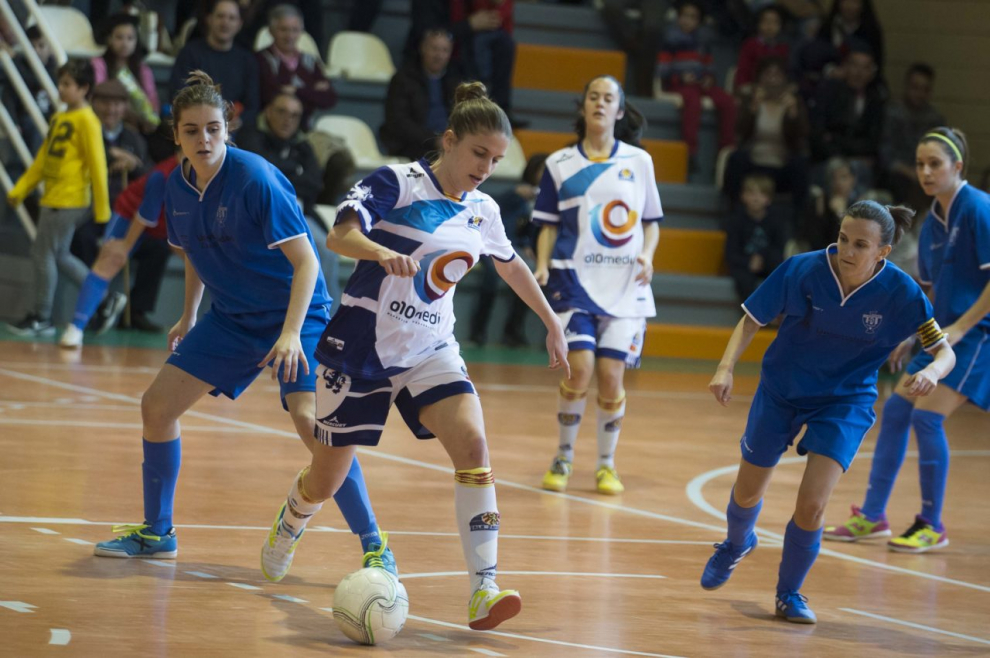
(225, 353)
(971, 376)
(610, 338)
(835, 430)
(353, 411)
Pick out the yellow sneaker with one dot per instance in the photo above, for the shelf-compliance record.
(489, 607)
(608, 481)
(919, 538)
(556, 478)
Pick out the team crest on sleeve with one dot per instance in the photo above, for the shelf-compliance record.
(872, 321)
(360, 193)
(475, 222)
(626, 174)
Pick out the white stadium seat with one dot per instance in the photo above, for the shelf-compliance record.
(307, 44)
(73, 31)
(359, 138)
(513, 164)
(359, 56)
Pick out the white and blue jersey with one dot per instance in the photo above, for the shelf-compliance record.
(830, 345)
(600, 208)
(231, 233)
(388, 324)
(954, 259)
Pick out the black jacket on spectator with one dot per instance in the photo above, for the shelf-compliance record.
(236, 70)
(406, 107)
(746, 238)
(837, 130)
(131, 142)
(294, 158)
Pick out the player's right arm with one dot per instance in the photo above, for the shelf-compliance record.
(347, 239)
(190, 308)
(742, 336)
(544, 246)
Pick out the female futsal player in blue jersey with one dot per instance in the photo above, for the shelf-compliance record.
(236, 220)
(954, 258)
(843, 309)
(416, 229)
(599, 210)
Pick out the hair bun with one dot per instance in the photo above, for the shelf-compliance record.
(470, 91)
(199, 77)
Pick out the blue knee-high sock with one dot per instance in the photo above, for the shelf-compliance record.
(800, 552)
(352, 499)
(741, 521)
(895, 429)
(933, 463)
(161, 472)
(93, 290)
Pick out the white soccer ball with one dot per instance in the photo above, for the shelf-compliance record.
(370, 605)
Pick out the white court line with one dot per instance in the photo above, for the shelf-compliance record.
(137, 427)
(696, 495)
(327, 529)
(435, 638)
(159, 563)
(244, 586)
(200, 574)
(501, 572)
(505, 483)
(46, 531)
(60, 636)
(290, 599)
(18, 606)
(542, 640)
(485, 652)
(921, 627)
(81, 542)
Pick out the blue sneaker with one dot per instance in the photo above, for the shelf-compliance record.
(381, 556)
(137, 542)
(793, 606)
(720, 565)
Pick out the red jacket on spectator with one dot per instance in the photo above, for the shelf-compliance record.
(311, 84)
(460, 10)
(753, 50)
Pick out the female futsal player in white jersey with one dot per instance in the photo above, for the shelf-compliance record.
(600, 211)
(416, 229)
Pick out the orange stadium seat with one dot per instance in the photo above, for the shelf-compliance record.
(694, 342)
(686, 251)
(554, 68)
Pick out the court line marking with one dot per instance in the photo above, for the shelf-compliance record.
(160, 563)
(542, 640)
(18, 606)
(244, 586)
(443, 574)
(106, 425)
(290, 599)
(428, 636)
(486, 652)
(505, 483)
(46, 531)
(695, 494)
(201, 574)
(327, 529)
(81, 542)
(60, 636)
(910, 624)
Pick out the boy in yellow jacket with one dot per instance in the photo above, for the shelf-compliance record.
(71, 160)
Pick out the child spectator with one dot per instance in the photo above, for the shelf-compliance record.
(32, 136)
(71, 160)
(766, 43)
(756, 235)
(123, 60)
(685, 68)
(821, 224)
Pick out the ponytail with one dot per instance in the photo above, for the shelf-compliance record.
(200, 90)
(474, 113)
(894, 221)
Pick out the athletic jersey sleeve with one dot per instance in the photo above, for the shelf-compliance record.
(546, 210)
(170, 234)
(919, 318)
(154, 197)
(981, 235)
(778, 294)
(652, 211)
(372, 197)
(274, 199)
(494, 241)
(925, 253)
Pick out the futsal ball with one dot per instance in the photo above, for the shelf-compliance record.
(370, 605)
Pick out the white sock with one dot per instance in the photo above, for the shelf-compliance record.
(570, 410)
(610, 413)
(299, 507)
(477, 522)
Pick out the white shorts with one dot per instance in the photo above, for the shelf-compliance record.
(612, 338)
(353, 411)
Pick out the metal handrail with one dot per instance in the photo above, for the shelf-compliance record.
(23, 93)
(32, 57)
(60, 56)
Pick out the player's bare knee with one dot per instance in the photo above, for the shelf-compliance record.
(810, 512)
(155, 413)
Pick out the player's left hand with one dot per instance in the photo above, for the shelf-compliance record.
(721, 386)
(287, 353)
(645, 275)
(921, 383)
(557, 348)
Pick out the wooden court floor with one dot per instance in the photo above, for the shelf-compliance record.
(599, 576)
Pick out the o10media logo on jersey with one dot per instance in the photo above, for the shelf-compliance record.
(612, 223)
(439, 271)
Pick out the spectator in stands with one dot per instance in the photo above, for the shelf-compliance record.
(767, 42)
(483, 44)
(231, 66)
(516, 207)
(772, 135)
(29, 130)
(847, 117)
(755, 236)
(277, 137)
(420, 97)
(853, 20)
(904, 124)
(637, 27)
(825, 213)
(127, 150)
(123, 60)
(685, 68)
(285, 69)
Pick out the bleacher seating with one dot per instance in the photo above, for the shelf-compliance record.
(307, 44)
(557, 68)
(359, 56)
(73, 30)
(359, 138)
